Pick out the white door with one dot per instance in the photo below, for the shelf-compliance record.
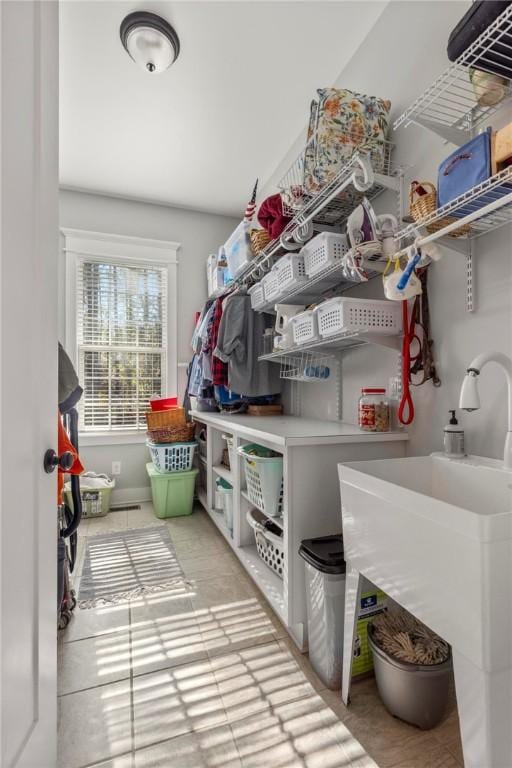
(28, 381)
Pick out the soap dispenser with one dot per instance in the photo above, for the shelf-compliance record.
(453, 438)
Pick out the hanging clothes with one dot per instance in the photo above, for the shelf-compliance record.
(239, 344)
(206, 351)
(219, 367)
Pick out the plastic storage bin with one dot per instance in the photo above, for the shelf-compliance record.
(172, 457)
(269, 543)
(264, 476)
(414, 693)
(325, 605)
(346, 314)
(322, 251)
(238, 249)
(225, 490)
(290, 271)
(173, 492)
(257, 294)
(271, 285)
(304, 327)
(95, 501)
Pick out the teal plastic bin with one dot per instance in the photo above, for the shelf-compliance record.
(173, 493)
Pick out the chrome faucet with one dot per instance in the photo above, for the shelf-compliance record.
(470, 398)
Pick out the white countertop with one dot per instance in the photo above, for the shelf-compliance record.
(294, 430)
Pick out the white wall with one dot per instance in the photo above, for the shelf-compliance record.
(199, 235)
(403, 53)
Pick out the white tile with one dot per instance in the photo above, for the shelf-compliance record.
(91, 622)
(211, 748)
(201, 546)
(94, 661)
(140, 518)
(199, 568)
(123, 761)
(114, 521)
(167, 639)
(224, 591)
(94, 725)
(255, 679)
(302, 733)
(175, 701)
(235, 625)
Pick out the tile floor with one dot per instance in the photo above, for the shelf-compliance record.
(204, 676)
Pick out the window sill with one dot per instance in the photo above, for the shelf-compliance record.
(86, 439)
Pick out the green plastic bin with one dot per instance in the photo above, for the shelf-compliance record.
(173, 492)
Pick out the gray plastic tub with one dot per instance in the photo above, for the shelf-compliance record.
(414, 693)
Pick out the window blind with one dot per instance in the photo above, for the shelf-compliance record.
(122, 341)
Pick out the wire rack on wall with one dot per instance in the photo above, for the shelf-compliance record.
(481, 209)
(458, 101)
(310, 367)
(302, 190)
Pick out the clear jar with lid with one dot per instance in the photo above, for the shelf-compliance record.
(374, 412)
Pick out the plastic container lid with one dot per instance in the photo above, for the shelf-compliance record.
(373, 390)
(325, 553)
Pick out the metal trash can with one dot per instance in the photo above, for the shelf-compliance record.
(325, 601)
(417, 694)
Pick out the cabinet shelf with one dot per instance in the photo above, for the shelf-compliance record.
(451, 107)
(223, 472)
(265, 579)
(481, 209)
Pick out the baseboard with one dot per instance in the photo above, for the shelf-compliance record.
(131, 495)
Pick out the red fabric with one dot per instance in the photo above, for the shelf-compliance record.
(65, 444)
(271, 216)
(219, 368)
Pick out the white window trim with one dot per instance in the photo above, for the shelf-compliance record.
(79, 243)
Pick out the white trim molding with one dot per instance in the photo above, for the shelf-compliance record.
(100, 245)
(84, 242)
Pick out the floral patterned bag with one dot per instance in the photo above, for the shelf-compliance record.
(342, 122)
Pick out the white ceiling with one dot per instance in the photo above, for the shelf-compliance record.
(199, 134)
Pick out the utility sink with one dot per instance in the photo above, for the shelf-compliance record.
(436, 535)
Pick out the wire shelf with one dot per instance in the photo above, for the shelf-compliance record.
(308, 367)
(453, 104)
(481, 209)
(298, 200)
(331, 279)
(338, 343)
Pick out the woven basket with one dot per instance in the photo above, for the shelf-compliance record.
(422, 206)
(182, 434)
(172, 417)
(259, 239)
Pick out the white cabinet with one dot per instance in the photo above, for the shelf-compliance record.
(311, 451)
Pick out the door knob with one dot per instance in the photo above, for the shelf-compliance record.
(52, 460)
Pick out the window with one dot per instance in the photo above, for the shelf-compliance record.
(120, 323)
(122, 341)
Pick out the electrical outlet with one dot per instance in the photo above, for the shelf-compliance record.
(116, 467)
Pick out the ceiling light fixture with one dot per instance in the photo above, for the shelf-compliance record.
(150, 41)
